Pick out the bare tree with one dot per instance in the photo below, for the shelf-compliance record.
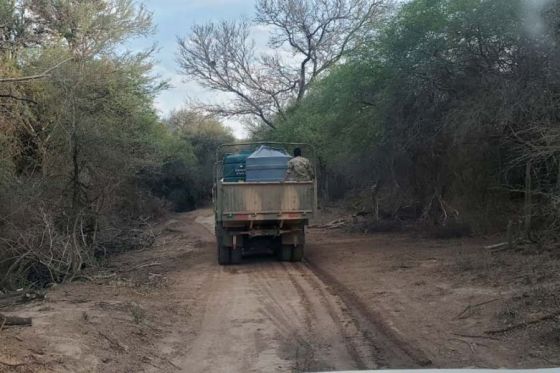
(307, 36)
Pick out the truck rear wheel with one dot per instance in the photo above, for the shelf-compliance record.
(297, 253)
(224, 257)
(290, 253)
(293, 251)
(235, 255)
(284, 253)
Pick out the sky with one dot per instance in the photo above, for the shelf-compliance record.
(174, 18)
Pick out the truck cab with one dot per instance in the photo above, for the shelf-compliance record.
(256, 209)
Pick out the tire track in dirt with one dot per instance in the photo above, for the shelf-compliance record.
(274, 316)
(305, 275)
(344, 345)
(392, 349)
(292, 322)
(311, 336)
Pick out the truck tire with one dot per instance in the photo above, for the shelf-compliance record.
(284, 253)
(235, 256)
(297, 253)
(224, 255)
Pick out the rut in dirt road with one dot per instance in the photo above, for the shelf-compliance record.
(265, 315)
(351, 305)
(269, 315)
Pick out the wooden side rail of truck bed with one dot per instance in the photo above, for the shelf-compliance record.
(247, 201)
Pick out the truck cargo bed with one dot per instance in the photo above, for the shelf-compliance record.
(265, 200)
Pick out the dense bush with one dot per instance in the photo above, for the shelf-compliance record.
(450, 111)
(84, 159)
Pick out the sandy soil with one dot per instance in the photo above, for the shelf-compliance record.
(385, 300)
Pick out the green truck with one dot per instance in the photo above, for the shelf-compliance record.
(256, 210)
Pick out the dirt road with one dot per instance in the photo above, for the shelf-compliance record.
(357, 302)
(266, 316)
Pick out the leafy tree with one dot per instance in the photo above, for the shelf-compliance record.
(80, 137)
(443, 110)
(205, 134)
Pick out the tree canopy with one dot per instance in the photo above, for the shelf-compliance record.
(306, 39)
(451, 106)
(84, 157)
(438, 111)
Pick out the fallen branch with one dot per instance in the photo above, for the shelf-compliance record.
(524, 324)
(471, 307)
(15, 320)
(331, 225)
(104, 276)
(500, 249)
(7, 300)
(142, 266)
(495, 246)
(475, 336)
(114, 342)
(12, 365)
(503, 246)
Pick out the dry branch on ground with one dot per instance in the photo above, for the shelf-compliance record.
(14, 321)
(524, 324)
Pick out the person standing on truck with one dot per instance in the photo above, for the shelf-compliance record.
(299, 168)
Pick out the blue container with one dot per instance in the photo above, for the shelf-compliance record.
(267, 164)
(234, 166)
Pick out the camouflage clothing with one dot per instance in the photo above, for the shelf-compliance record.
(299, 169)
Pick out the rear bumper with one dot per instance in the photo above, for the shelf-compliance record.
(266, 215)
(268, 232)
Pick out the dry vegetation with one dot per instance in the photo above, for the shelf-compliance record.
(85, 163)
(435, 117)
(445, 115)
